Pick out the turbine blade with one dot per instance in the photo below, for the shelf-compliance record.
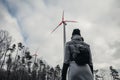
(70, 21)
(63, 16)
(34, 54)
(56, 27)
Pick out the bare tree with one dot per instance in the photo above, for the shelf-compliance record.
(95, 74)
(102, 74)
(57, 72)
(5, 42)
(114, 73)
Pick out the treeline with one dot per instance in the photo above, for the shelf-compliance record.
(109, 74)
(17, 62)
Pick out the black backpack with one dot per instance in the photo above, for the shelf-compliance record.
(82, 55)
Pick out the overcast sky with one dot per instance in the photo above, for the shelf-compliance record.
(31, 21)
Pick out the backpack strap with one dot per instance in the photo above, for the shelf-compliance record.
(71, 57)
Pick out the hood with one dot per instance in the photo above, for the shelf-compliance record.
(77, 37)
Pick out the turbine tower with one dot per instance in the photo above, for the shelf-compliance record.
(36, 55)
(64, 22)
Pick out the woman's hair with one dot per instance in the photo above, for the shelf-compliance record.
(82, 38)
(76, 32)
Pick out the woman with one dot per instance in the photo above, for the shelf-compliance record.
(76, 71)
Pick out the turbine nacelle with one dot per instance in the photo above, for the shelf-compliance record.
(64, 22)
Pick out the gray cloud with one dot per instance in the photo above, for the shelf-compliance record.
(8, 23)
(116, 47)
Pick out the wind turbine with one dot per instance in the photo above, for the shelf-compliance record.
(35, 55)
(64, 22)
